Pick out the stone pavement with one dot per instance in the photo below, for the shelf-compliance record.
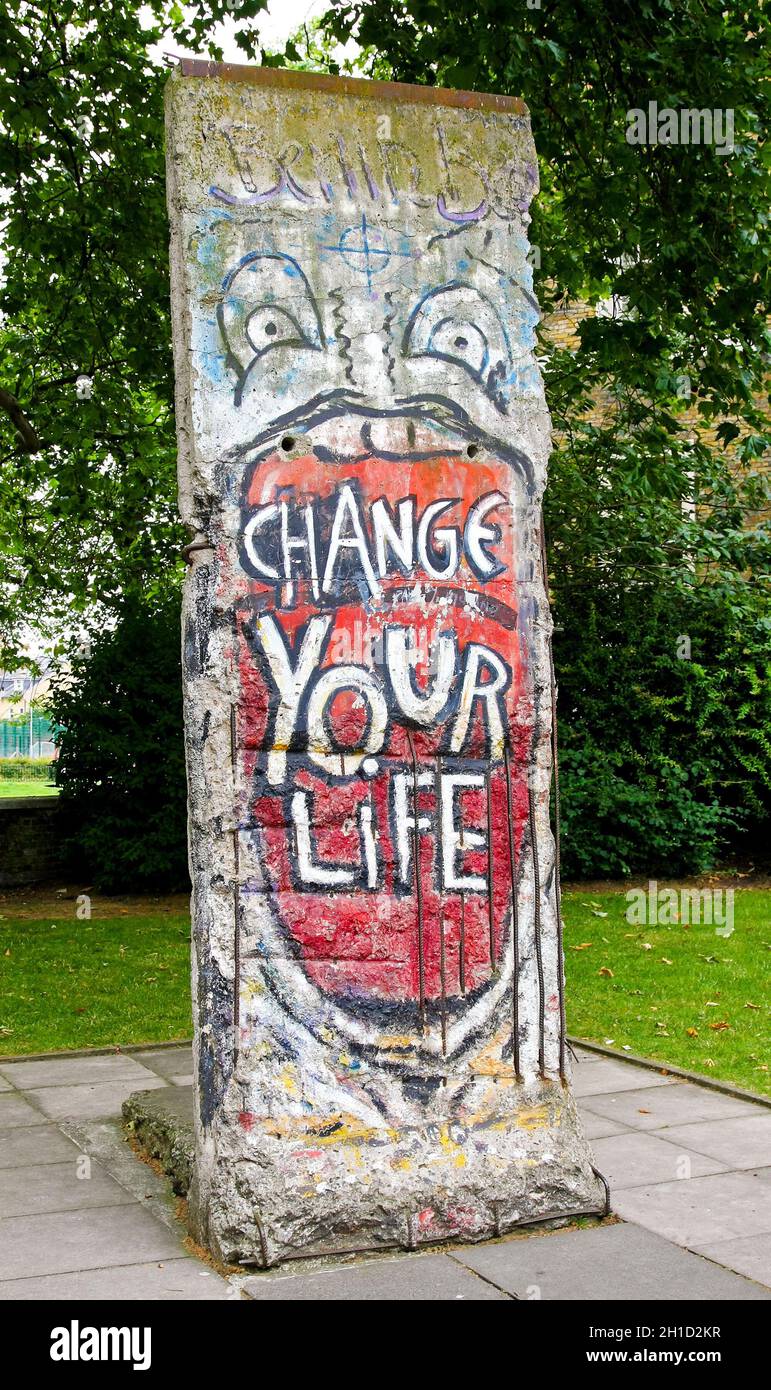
(689, 1170)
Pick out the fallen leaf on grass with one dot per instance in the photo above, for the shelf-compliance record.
(721, 1026)
(583, 947)
(606, 972)
(692, 1032)
(646, 946)
(664, 961)
(596, 912)
(753, 1006)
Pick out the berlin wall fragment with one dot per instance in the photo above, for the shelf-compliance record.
(363, 440)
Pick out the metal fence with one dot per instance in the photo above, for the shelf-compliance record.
(30, 737)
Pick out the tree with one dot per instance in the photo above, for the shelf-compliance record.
(120, 769)
(658, 535)
(655, 531)
(87, 449)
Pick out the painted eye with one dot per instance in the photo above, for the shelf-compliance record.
(460, 341)
(268, 327)
(456, 323)
(253, 318)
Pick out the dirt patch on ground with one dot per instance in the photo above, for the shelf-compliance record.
(721, 878)
(60, 900)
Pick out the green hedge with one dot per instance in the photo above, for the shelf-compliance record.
(26, 770)
(120, 769)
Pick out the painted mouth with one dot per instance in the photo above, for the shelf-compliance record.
(340, 425)
(386, 716)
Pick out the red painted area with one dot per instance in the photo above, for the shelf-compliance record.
(361, 941)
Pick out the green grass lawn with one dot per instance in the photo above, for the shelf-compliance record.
(9, 788)
(680, 994)
(111, 981)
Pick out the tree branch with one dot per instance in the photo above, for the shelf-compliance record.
(30, 440)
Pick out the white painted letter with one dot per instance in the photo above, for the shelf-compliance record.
(310, 872)
(425, 708)
(489, 692)
(289, 683)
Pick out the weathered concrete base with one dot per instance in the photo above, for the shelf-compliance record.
(162, 1122)
(353, 1190)
(533, 1167)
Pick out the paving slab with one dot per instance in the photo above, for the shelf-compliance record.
(4, 1085)
(407, 1278)
(609, 1075)
(73, 1071)
(16, 1111)
(89, 1102)
(57, 1187)
(699, 1211)
(743, 1142)
(637, 1158)
(105, 1140)
(167, 1061)
(39, 1144)
(598, 1126)
(579, 1054)
(603, 1263)
(166, 1281)
(750, 1255)
(186, 1079)
(99, 1238)
(659, 1106)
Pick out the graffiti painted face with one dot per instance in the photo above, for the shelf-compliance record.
(385, 715)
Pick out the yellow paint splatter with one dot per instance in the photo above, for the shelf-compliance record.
(289, 1080)
(538, 1118)
(453, 1150)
